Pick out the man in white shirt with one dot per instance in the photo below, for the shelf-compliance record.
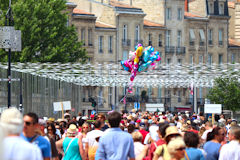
(209, 127)
(14, 146)
(231, 151)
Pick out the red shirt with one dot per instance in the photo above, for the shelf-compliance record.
(144, 133)
(193, 130)
(153, 147)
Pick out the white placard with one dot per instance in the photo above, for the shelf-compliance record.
(153, 107)
(213, 108)
(57, 106)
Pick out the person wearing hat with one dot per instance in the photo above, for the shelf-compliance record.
(162, 150)
(71, 144)
(13, 145)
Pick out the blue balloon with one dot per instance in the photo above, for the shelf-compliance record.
(124, 67)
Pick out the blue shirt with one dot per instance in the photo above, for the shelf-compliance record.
(115, 145)
(42, 143)
(194, 154)
(212, 150)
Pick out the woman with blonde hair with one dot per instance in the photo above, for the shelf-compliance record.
(176, 148)
(72, 144)
(85, 130)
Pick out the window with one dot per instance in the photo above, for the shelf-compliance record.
(137, 33)
(209, 59)
(191, 37)
(100, 96)
(210, 37)
(100, 44)
(179, 96)
(220, 37)
(110, 38)
(160, 54)
(150, 92)
(90, 37)
(220, 59)
(191, 59)
(125, 55)
(211, 8)
(160, 94)
(233, 58)
(125, 32)
(202, 37)
(160, 40)
(168, 38)
(149, 39)
(83, 36)
(169, 14)
(110, 91)
(179, 38)
(179, 13)
(221, 9)
(200, 60)
(179, 62)
(168, 61)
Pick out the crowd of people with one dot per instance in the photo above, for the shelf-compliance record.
(119, 136)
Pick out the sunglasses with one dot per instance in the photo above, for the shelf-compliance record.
(28, 123)
(85, 127)
(181, 149)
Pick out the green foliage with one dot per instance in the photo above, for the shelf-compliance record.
(226, 91)
(45, 34)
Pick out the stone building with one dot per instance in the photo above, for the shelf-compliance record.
(183, 31)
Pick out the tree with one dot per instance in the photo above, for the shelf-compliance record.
(226, 91)
(45, 34)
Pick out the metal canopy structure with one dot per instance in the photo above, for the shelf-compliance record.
(168, 76)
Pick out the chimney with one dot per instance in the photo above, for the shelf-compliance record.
(186, 5)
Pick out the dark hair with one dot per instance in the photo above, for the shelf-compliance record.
(162, 128)
(131, 128)
(81, 121)
(114, 119)
(211, 135)
(52, 126)
(34, 116)
(97, 124)
(191, 139)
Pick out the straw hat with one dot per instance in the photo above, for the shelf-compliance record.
(72, 130)
(171, 130)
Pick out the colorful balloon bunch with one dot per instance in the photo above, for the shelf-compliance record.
(139, 61)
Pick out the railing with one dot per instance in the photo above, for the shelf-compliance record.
(169, 49)
(180, 50)
(126, 42)
(201, 43)
(220, 43)
(138, 41)
(191, 43)
(210, 42)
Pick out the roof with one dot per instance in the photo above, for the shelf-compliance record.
(188, 14)
(233, 43)
(121, 5)
(103, 25)
(78, 11)
(152, 24)
(231, 5)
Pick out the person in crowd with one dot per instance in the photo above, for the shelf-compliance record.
(142, 131)
(138, 146)
(208, 127)
(191, 140)
(101, 117)
(53, 137)
(85, 130)
(14, 146)
(92, 140)
(71, 144)
(162, 151)
(115, 143)
(161, 134)
(213, 145)
(231, 151)
(29, 134)
(176, 148)
(131, 128)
